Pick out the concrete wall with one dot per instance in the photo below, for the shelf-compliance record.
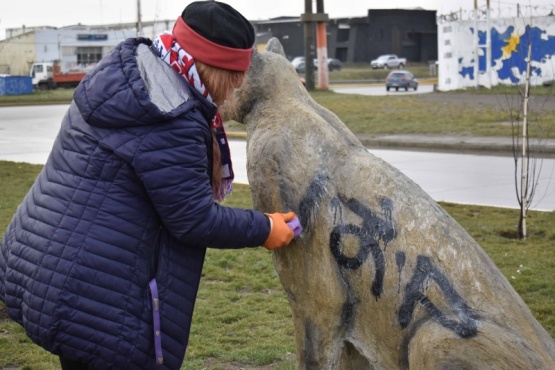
(458, 44)
(15, 53)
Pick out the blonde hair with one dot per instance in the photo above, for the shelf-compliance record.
(220, 83)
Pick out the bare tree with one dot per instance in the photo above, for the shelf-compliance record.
(527, 157)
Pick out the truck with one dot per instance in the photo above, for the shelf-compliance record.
(388, 61)
(49, 75)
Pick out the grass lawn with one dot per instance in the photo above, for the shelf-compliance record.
(445, 114)
(242, 317)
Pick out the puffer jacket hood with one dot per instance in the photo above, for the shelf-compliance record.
(124, 200)
(130, 97)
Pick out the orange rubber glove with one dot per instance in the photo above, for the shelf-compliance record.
(280, 233)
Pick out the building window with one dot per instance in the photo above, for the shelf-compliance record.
(343, 32)
(68, 51)
(89, 55)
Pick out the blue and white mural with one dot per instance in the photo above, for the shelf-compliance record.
(459, 44)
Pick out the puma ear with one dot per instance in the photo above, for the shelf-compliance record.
(274, 46)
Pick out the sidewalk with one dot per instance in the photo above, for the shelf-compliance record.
(458, 144)
(502, 146)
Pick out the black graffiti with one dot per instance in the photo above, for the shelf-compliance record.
(373, 229)
(311, 352)
(425, 269)
(310, 203)
(376, 228)
(400, 260)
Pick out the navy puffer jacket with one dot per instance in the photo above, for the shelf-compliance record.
(124, 197)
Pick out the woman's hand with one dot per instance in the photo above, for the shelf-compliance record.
(281, 233)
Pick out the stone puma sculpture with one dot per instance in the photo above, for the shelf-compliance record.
(382, 277)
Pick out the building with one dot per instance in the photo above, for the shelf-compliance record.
(76, 47)
(409, 33)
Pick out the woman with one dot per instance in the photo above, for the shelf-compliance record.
(102, 260)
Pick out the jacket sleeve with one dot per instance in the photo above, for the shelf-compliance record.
(172, 162)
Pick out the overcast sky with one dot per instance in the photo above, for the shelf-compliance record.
(57, 13)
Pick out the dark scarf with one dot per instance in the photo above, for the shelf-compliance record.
(181, 61)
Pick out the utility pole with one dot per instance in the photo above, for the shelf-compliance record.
(309, 20)
(488, 44)
(476, 46)
(322, 47)
(486, 47)
(139, 24)
(308, 39)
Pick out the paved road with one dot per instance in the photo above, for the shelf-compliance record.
(456, 178)
(27, 134)
(380, 90)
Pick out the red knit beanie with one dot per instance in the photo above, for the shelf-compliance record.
(215, 34)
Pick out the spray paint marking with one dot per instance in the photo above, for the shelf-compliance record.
(425, 269)
(375, 228)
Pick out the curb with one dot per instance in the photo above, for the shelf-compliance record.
(501, 146)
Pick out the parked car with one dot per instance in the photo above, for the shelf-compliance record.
(401, 79)
(299, 64)
(388, 61)
(334, 64)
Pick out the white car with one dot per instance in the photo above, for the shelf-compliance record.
(298, 64)
(388, 61)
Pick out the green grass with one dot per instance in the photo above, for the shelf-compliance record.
(365, 73)
(408, 114)
(414, 114)
(242, 316)
(58, 96)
